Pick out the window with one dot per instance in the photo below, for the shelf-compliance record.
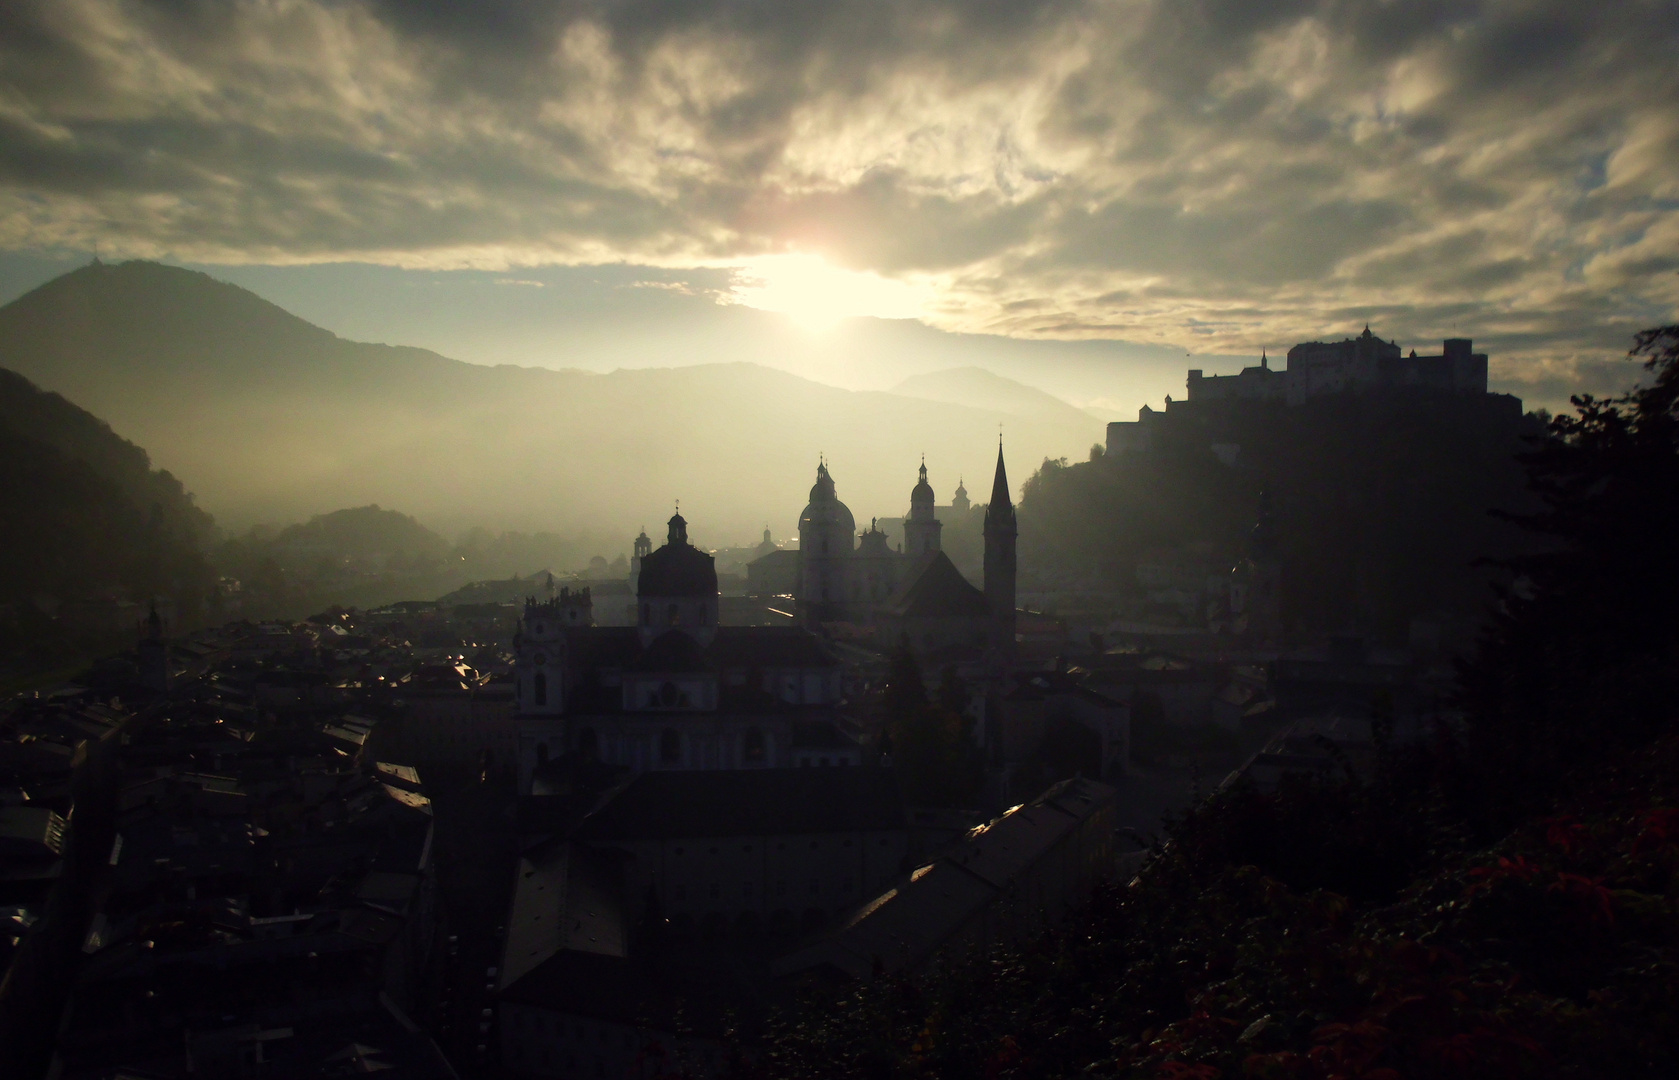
(675, 615)
(588, 744)
(754, 748)
(540, 684)
(670, 746)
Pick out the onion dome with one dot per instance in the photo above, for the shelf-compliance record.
(825, 510)
(922, 493)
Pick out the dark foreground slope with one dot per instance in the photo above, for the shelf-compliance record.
(1502, 902)
(271, 419)
(83, 515)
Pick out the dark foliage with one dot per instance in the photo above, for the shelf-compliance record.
(930, 741)
(1582, 655)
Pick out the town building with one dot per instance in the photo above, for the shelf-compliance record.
(675, 691)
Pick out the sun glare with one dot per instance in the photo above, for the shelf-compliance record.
(816, 295)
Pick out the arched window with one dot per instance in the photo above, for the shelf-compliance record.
(754, 747)
(540, 685)
(670, 746)
(669, 695)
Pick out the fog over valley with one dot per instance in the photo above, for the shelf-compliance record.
(268, 419)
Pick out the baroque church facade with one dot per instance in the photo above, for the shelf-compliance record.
(914, 592)
(676, 691)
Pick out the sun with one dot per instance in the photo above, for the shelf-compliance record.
(816, 294)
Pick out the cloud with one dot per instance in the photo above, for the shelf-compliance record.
(1234, 174)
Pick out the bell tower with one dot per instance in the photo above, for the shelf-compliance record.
(921, 528)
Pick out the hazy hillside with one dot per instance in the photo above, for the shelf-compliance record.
(268, 418)
(978, 388)
(83, 516)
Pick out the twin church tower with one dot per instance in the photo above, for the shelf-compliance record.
(914, 591)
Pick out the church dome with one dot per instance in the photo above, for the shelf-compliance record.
(922, 493)
(678, 568)
(825, 510)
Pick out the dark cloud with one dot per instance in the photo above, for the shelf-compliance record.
(1238, 172)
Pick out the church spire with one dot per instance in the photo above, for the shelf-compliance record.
(1000, 484)
(1000, 533)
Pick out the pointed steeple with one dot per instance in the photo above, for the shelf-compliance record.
(1000, 484)
(1000, 533)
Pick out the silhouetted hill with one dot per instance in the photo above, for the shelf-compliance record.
(83, 514)
(1383, 503)
(270, 418)
(363, 532)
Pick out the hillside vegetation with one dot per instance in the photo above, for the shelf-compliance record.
(1382, 504)
(83, 516)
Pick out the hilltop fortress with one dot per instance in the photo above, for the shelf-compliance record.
(1363, 364)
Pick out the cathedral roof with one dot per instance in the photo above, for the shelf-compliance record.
(677, 569)
(936, 589)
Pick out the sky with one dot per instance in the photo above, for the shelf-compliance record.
(1119, 182)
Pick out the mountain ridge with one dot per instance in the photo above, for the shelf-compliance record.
(270, 418)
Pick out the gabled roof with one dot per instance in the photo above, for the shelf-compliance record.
(937, 590)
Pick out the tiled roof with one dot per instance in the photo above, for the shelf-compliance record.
(937, 590)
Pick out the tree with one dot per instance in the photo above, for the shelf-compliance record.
(1582, 653)
(931, 742)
